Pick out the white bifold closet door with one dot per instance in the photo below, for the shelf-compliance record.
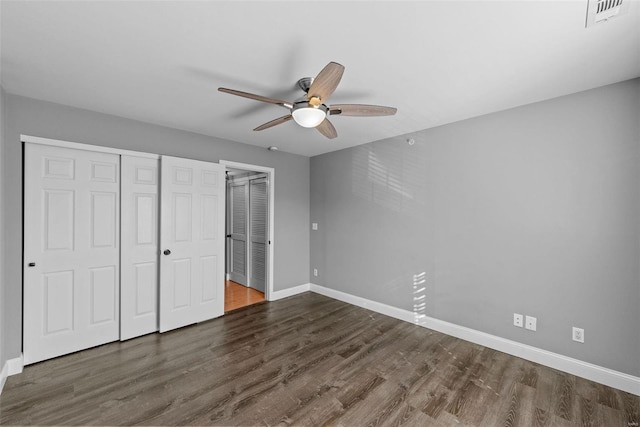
(139, 247)
(71, 250)
(238, 213)
(192, 242)
(258, 235)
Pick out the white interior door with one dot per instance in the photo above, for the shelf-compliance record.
(139, 247)
(258, 235)
(71, 250)
(192, 242)
(238, 208)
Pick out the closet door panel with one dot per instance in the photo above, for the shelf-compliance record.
(71, 250)
(192, 242)
(139, 263)
(258, 235)
(238, 213)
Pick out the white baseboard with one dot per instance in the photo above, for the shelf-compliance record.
(4, 373)
(11, 367)
(15, 365)
(599, 374)
(289, 292)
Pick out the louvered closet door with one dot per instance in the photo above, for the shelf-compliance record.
(258, 235)
(238, 209)
(192, 242)
(139, 241)
(71, 250)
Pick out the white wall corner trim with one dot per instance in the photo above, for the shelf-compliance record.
(599, 374)
(289, 292)
(11, 367)
(15, 365)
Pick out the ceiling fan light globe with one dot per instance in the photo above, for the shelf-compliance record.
(309, 117)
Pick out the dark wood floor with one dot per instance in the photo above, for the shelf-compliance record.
(306, 360)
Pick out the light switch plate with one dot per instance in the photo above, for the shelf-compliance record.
(314, 226)
(577, 334)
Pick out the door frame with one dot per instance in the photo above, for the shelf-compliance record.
(270, 172)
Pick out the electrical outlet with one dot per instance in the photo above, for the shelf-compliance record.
(315, 272)
(578, 334)
(517, 320)
(314, 225)
(530, 323)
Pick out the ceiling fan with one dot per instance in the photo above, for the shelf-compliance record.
(310, 110)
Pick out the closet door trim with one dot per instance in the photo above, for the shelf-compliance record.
(272, 191)
(86, 147)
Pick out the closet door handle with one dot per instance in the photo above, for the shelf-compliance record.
(32, 264)
(167, 252)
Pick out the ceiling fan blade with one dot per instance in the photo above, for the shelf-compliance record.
(326, 82)
(361, 110)
(327, 129)
(256, 97)
(275, 122)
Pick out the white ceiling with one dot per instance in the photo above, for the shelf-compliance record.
(436, 61)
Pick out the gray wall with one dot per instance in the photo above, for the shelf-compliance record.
(533, 210)
(38, 118)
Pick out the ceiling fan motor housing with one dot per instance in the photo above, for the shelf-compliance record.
(305, 83)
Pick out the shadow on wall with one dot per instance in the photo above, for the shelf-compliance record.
(391, 174)
(419, 297)
(416, 287)
(391, 177)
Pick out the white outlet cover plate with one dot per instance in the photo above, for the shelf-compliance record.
(531, 323)
(517, 320)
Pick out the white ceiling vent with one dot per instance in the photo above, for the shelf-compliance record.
(602, 10)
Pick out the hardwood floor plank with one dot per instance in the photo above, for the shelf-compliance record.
(631, 408)
(608, 416)
(493, 377)
(307, 360)
(513, 408)
(409, 416)
(545, 385)
(437, 402)
(238, 296)
(585, 412)
(530, 377)
(388, 398)
(471, 403)
(586, 389)
(608, 397)
(565, 397)
(541, 418)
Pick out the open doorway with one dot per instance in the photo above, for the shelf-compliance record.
(249, 234)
